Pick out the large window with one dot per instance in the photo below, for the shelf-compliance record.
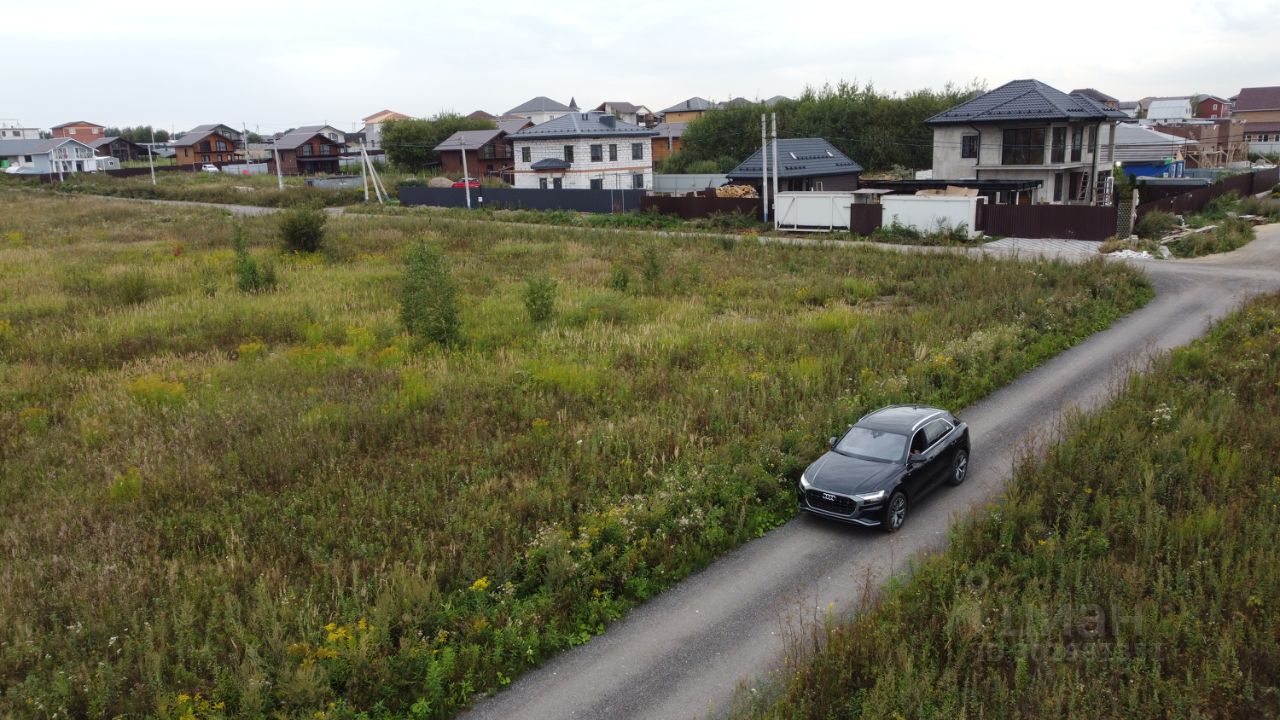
(1059, 150)
(326, 149)
(568, 153)
(1023, 147)
(221, 146)
(487, 151)
(306, 150)
(613, 151)
(597, 153)
(526, 155)
(969, 147)
(637, 151)
(1077, 143)
(1093, 139)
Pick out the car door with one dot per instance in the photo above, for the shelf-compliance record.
(917, 478)
(940, 451)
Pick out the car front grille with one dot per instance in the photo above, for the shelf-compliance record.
(830, 502)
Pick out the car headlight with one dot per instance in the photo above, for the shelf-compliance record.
(876, 496)
(804, 481)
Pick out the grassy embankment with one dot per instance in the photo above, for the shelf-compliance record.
(1134, 573)
(261, 190)
(281, 502)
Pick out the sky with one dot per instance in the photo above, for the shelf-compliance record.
(277, 64)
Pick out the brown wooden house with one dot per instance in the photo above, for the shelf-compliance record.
(120, 148)
(306, 153)
(82, 130)
(488, 151)
(198, 148)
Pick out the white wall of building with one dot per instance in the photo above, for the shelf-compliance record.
(948, 163)
(614, 175)
(9, 132)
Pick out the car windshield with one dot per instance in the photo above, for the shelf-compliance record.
(880, 445)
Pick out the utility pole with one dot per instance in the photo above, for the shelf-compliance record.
(775, 168)
(279, 170)
(466, 180)
(764, 169)
(364, 174)
(151, 156)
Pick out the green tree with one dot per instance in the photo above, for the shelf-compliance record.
(410, 144)
(429, 299)
(875, 129)
(138, 134)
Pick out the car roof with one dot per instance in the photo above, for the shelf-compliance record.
(901, 418)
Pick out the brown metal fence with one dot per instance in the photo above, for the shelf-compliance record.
(865, 218)
(700, 206)
(1071, 222)
(1195, 200)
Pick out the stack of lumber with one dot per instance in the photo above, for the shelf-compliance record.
(737, 191)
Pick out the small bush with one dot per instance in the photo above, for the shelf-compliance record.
(1262, 207)
(1156, 224)
(428, 302)
(302, 229)
(651, 267)
(1230, 234)
(1115, 244)
(250, 277)
(620, 279)
(540, 299)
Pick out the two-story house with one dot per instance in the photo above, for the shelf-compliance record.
(1258, 108)
(305, 153)
(45, 157)
(1025, 131)
(81, 130)
(687, 111)
(372, 129)
(584, 150)
(198, 147)
(487, 152)
(13, 130)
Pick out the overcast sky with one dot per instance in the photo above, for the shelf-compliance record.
(279, 63)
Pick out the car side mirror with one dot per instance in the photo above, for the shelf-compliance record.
(831, 442)
(915, 458)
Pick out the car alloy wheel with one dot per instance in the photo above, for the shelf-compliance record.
(895, 512)
(959, 468)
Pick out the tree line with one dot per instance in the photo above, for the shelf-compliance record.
(410, 144)
(877, 130)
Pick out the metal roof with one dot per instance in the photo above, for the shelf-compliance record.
(622, 107)
(1261, 127)
(582, 124)
(9, 148)
(513, 125)
(670, 130)
(1094, 94)
(693, 104)
(1021, 101)
(550, 164)
(1258, 98)
(74, 122)
(799, 157)
(1170, 108)
(541, 103)
(296, 139)
(1135, 143)
(468, 139)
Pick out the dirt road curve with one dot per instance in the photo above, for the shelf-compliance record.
(684, 653)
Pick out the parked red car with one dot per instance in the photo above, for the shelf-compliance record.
(473, 183)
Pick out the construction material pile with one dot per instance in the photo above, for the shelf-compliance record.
(737, 191)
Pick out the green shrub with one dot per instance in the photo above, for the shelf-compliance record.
(1228, 235)
(1262, 207)
(429, 300)
(250, 277)
(1156, 224)
(540, 299)
(620, 279)
(302, 228)
(651, 267)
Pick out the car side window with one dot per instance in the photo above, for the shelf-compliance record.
(918, 443)
(935, 431)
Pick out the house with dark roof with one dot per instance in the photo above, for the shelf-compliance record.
(542, 109)
(305, 152)
(81, 130)
(687, 111)
(584, 150)
(45, 157)
(668, 140)
(119, 148)
(1258, 108)
(212, 144)
(1025, 130)
(804, 164)
(487, 152)
(328, 131)
(1099, 97)
(628, 113)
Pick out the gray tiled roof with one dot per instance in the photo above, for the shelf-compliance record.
(693, 104)
(32, 147)
(297, 138)
(514, 125)
(74, 122)
(622, 107)
(1094, 94)
(587, 124)
(541, 103)
(1024, 100)
(470, 139)
(799, 157)
(672, 130)
(550, 164)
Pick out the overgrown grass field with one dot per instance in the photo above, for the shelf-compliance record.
(260, 190)
(216, 503)
(1134, 574)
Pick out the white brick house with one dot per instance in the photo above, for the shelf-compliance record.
(584, 151)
